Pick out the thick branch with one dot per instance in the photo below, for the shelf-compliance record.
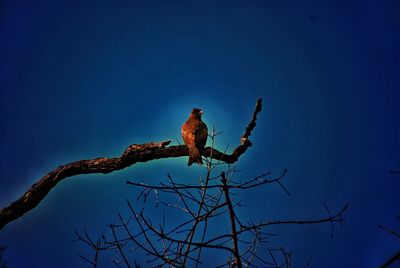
(133, 154)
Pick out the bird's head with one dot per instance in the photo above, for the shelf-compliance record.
(197, 113)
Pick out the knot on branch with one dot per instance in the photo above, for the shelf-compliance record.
(132, 151)
(244, 141)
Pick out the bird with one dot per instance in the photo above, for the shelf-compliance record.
(194, 134)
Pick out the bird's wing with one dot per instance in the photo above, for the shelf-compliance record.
(201, 135)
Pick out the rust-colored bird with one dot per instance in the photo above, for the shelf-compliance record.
(194, 134)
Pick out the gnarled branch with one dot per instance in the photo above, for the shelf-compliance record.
(133, 154)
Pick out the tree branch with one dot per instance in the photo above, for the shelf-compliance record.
(238, 261)
(133, 154)
(393, 259)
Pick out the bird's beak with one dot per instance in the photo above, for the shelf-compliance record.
(201, 112)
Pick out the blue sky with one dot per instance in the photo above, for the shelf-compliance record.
(84, 80)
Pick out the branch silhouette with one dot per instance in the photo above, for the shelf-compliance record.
(133, 154)
(200, 205)
(180, 244)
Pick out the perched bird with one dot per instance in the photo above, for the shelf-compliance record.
(194, 134)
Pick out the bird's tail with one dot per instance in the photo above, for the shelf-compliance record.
(194, 156)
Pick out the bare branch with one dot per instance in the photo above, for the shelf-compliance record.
(393, 259)
(257, 181)
(119, 246)
(232, 218)
(133, 154)
(338, 217)
(389, 230)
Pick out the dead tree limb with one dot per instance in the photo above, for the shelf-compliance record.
(133, 154)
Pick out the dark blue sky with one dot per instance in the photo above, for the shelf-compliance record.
(84, 80)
